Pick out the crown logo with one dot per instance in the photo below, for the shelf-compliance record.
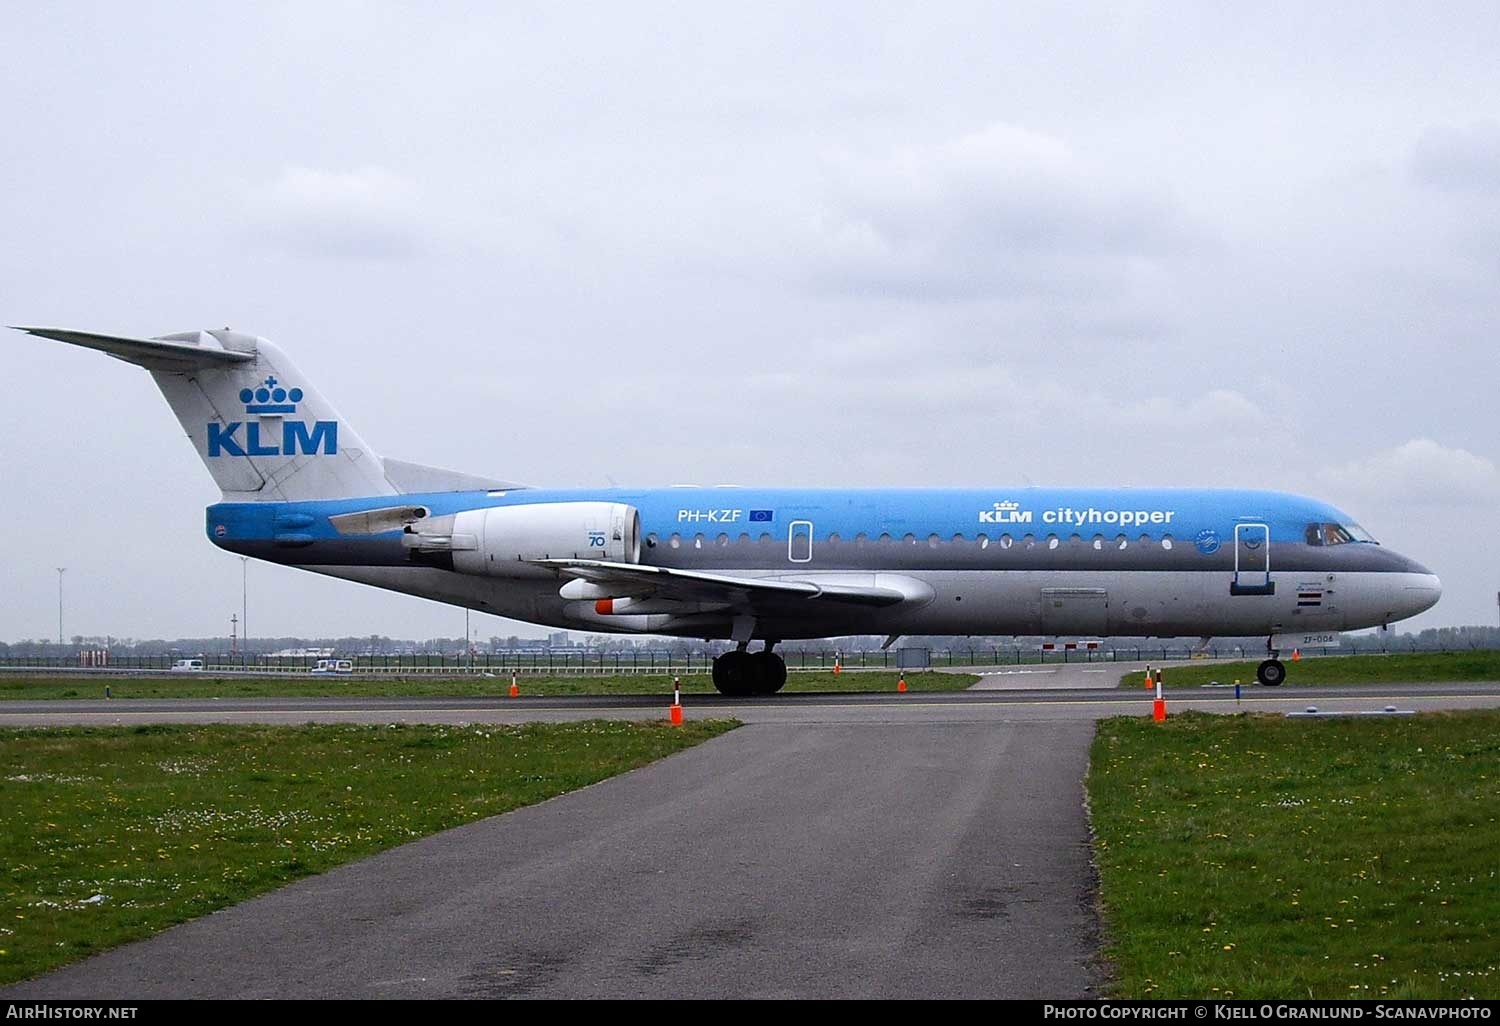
(270, 397)
(1007, 505)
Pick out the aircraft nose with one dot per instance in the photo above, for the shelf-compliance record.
(1419, 593)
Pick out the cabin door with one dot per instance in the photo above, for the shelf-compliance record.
(1252, 560)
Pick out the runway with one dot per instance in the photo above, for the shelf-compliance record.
(1064, 705)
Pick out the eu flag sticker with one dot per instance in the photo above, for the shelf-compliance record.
(762, 516)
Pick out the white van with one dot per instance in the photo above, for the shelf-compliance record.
(334, 666)
(187, 666)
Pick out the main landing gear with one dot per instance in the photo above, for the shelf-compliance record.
(741, 673)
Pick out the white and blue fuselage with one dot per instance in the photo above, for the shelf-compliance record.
(991, 561)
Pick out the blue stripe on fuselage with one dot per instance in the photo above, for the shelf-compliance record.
(1183, 513)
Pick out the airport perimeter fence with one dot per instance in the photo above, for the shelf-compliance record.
(645, 661)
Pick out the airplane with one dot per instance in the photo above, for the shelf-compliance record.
(300, 487)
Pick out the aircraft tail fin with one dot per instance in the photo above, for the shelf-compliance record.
(264, 432)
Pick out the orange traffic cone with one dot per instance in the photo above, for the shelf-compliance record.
(676, 711)
(901, 683)
(837, 667)
(1296, 655)
(515, 689)
(1147, 685)
(1159, 707)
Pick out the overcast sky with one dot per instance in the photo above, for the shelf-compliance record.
(831, 244)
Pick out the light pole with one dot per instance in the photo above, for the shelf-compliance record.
(244, 607)
(60, 571)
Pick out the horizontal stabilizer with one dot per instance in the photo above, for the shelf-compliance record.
(156, 354)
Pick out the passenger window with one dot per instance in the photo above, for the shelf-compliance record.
(884, 539)
(909, 538)
(1006, 541)
(722, 539)
(651, 540)
(1121, 542)
(1098, 542)
(765, 536)
(984, 541)
(1052, 542)
(1166, 541)
(933, 541)
(860, 540)
(744, 538)
(1145, 539)
(1075, 540)
(1029, 541)
(676, 541)
(833, 539)
(697, 541)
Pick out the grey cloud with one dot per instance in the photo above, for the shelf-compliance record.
(1460, 159)
(366, 214)
(1421, 472)
(1003, 211)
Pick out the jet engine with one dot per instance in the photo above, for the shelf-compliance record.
(502, 540)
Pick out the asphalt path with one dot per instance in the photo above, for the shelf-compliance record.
(1056, 676)
(908, 860)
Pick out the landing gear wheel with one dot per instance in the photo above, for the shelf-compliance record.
(735, 673)
(1271, 672)
(770, 673)
(739, 673)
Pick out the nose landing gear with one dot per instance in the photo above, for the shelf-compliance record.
(1271, 672)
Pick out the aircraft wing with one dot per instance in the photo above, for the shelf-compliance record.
(635, 580)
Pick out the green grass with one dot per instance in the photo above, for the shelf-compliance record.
(168, 823)
(1404, 668)
(1262, 857)
(306, 686)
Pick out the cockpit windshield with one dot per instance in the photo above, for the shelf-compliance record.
(1337, 534)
